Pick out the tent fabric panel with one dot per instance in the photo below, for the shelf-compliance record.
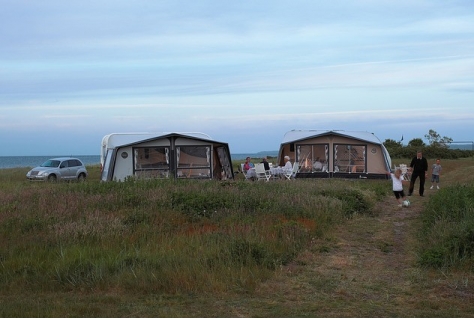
(298, 135)
(215, 168)
(375, 159)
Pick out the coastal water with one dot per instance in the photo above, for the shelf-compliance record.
(33, 161)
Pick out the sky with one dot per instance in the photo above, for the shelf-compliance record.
(243, 72)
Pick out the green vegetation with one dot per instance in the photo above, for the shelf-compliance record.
(437, 147)
(190, 248)
(448, 228)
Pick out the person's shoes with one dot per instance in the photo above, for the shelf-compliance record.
(437, 187)
(431, 187)
(422, 195)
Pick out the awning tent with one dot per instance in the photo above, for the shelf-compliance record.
(335, 153)
(164, 155)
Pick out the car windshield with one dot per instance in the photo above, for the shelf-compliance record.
(51, 163)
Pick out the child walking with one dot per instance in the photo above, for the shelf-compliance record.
(435, 172)
(397, 181)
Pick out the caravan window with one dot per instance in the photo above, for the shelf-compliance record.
(151, 162)
(193, 161)
(350, 158)
(313, 157)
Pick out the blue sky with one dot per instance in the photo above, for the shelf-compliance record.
(243, 72)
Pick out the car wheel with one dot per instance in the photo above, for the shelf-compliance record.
(52, 178)
(82, 177)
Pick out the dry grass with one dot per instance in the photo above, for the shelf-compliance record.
(368, 268)
(365, 267)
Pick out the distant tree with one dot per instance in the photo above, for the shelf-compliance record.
(437, 148)
(416, 142)
(435, 140)
(389, 143)
(393, 147)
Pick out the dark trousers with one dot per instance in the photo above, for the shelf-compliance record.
(414, 176)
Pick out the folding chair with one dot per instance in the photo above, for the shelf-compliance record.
(262, 174)
(291, 174)
(405, 172)
(246, 176)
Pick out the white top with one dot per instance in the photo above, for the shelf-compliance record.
(318, 165)
(288, 166)
(397, 183)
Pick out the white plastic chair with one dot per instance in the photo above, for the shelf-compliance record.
(291, 174)
(247, 176)
(405, 172)
(262, 174)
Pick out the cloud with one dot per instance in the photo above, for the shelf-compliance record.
(253, 69)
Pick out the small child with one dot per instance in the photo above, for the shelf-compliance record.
(435, 172)
(397, 180)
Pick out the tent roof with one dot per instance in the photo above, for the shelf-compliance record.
(298, 135)
(192, 135)
(118, 139)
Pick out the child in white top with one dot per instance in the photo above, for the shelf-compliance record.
(397, 180)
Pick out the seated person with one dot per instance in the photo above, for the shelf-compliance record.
(288, 166)
(248, 164)
(265, 163)
(318, 166)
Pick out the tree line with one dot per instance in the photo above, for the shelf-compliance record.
(437, 146)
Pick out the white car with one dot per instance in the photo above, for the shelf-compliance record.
(61, 168)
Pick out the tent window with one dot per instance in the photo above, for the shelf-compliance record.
(350, 158)
(194, 161)
(107, 163)
(151, 162)
(312, 158)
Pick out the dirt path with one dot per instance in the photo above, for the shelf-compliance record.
(366, 268)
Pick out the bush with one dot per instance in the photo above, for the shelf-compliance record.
(447, 233)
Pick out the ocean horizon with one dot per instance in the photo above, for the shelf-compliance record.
(33, 161)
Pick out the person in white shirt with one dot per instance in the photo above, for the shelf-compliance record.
(397, 180)
(288, 166)
(318, 166)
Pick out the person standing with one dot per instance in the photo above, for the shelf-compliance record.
(419, 167)
(435, 172)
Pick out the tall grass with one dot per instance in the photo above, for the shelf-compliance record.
(165, 236)
(447, 235)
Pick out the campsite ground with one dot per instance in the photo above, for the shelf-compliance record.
(366, 268)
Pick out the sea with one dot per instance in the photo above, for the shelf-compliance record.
(33, 161)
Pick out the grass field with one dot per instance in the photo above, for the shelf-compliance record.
(165, 248)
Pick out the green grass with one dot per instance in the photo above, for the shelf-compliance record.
(448, 227)
(161, 236)
(174, 248)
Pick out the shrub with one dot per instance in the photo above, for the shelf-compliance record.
(447, 233)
